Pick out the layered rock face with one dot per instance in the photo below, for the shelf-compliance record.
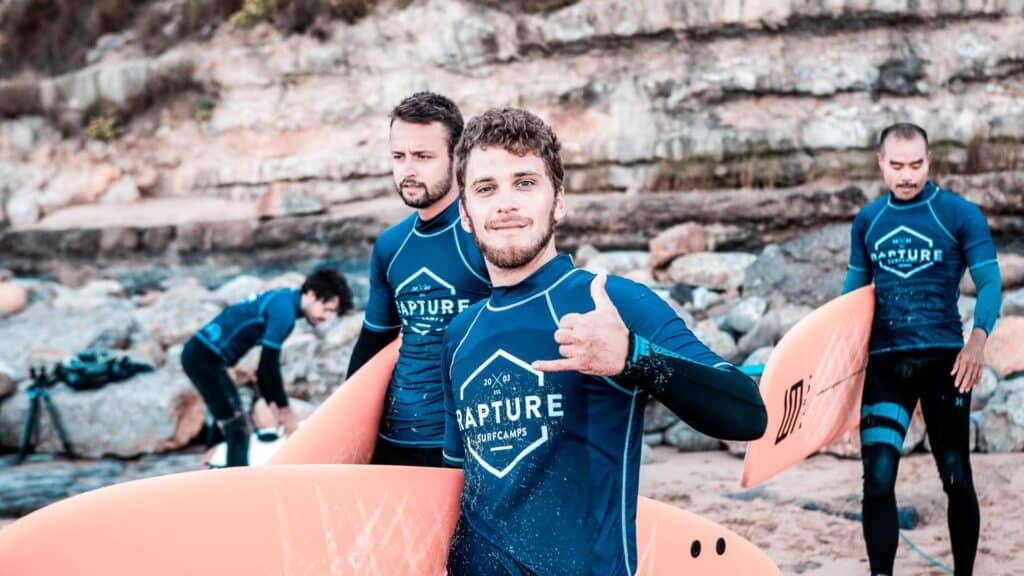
(755, 119)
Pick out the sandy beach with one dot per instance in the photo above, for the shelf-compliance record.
(775, 516)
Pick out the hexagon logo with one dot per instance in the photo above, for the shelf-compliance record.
(425, 301)
(505, 413)
(905, 252)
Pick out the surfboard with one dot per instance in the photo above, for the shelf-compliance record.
(310, 519)
(812, 384)
(343, 429)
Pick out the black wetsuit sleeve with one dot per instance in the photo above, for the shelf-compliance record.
(268, 377)
(720, 402)
(369, 343)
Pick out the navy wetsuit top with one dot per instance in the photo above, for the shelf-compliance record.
(551, 460)
(917, 252)
(265, 319)
(422, 274)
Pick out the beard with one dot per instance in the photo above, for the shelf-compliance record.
(431, 194)
(509, 258)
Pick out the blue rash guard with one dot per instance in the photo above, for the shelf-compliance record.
(265, 319)
(422, 274)
(916, 251)
(552, 460)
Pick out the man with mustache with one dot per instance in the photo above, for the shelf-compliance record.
(546, 380)
(915, 243)
(423, 272)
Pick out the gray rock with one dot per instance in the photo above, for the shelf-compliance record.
(149, 413)
(1013, 303)
(619, 262)
(43, 479)
(681, 239)
(704, 298)
(124, 191)
(759, 356)
(44, 331)
(238, 289)
(654, 439)
(181, 311)
(658, 418)
(808, 270)
(985, 388)
(965, 305)
(584, 254)
(719, 342)
(745, 314)
(715, 270)
(772, 327)
(1001, 424)
(686, 439)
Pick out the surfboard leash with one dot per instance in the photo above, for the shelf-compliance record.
(934, 562)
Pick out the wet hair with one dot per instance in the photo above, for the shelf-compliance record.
(517, 131)
(428, 107)
(902, 131)
(326, 283)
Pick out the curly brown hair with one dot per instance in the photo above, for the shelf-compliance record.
(517, 131)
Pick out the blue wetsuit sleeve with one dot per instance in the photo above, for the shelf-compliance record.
(858, 270)
(856, 279)
(452, 453)
(975, 237)
(381, 312)
(268, 377)
(369, 343)
(279, 321)
(987, 279)
(666, 360)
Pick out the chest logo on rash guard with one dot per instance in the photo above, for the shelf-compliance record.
(426, 302)
(905, 252)
(505, 413)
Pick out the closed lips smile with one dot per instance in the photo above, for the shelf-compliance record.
(509, 225)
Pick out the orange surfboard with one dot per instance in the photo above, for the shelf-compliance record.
(343, 430)
(662, 530)
(311, 519)
(812, 385)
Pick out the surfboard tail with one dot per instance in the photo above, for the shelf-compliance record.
(812, 385)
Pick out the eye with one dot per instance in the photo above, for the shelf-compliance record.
(423, 156)
(485, 189)
(526, 183)
(397, 155)
(915, 165)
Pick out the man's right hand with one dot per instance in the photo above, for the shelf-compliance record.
(287, 418)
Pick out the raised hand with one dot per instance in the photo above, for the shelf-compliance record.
(595, 343)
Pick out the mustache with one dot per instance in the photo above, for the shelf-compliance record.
(412, 182)
(514, 220)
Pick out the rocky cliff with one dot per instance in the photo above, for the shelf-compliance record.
(755, 119)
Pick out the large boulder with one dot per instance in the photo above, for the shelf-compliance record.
(808, 270)
(1011, 272)
(46, 333)
(745, 314)
(719, 342)
(679, 240)
(1001, 424)
(180, 311)
(1013, 303)
(149, 413)
(658, 418)
(771, 327)
(715, 270)
(618, 262)
(1004, 350)
(13, 299)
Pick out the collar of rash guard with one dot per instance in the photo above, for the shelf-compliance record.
(538, 282)
(927, 192)
(440, 222)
